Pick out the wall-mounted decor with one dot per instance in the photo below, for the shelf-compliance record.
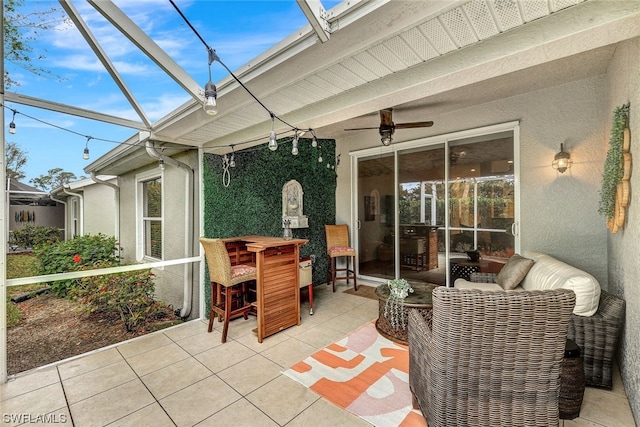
(292, 205)
(615, 192)
(369, 208)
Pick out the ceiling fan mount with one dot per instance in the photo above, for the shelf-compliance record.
(387, 127)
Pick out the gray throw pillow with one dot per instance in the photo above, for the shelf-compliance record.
(513, 272)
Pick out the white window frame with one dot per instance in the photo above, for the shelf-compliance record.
(141, 178)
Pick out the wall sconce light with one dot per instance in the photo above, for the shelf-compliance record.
(562, 161)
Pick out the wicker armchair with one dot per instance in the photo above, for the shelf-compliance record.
(597, 336)
(489, 358)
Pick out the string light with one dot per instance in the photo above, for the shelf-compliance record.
(85, 154)
(294, 149)
(12, 125)
(273, 142)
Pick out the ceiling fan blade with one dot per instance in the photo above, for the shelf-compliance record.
(361, 128)
(386, 117)
(413, 125)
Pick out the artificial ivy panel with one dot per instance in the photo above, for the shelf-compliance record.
(252, 202)
(615, 192)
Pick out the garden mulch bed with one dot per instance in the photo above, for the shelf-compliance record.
(52, 329)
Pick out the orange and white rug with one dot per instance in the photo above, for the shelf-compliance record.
(365, 374)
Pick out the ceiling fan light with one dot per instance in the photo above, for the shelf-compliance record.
(385, 137)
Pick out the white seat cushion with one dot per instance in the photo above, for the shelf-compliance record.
(549, 273)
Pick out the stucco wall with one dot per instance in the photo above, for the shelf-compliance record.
(558, 212)
(623, 85)
(99, 210)
(168, 280)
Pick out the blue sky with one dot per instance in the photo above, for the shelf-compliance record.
(238, 30)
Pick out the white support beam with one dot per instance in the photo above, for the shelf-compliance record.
(316, 15)
(102, 56)
(74, 111)
(129, 29)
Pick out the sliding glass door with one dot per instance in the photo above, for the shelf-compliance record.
(423, 205)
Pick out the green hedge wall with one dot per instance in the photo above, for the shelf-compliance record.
(252, 203)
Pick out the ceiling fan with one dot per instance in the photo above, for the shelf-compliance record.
(387, 127)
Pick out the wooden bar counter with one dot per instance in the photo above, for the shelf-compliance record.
(277, 284)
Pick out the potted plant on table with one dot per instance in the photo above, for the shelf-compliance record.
(399, 289)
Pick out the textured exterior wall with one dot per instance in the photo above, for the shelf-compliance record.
(99, 210)
(624, 270)
(169, 280)
(558, 212)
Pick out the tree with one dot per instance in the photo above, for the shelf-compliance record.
(21, 30)
(15, 159)
(55, 178)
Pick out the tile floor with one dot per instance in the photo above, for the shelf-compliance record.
(184, 376)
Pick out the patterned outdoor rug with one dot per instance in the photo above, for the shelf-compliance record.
(365, 374)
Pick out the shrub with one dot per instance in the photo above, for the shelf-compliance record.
(129, 294)
(82, 252)
(30, 236)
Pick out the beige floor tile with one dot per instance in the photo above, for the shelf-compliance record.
(250, 374)
(111, 405)
(143, 344)
(224, 356)
(152, 415)
(251, 340)
(606, 408)
(325, 413)
(320, 336)
(289, 352)
(199, 401)
(187, 329)
(579, 422)
(282, 399)
(96, 381)
(343, 324)
(237, 327)
(158, 358)
(45, 400)
(175, 377)
(240, 413)
(89, 363)
(28, 382)
(201, 341)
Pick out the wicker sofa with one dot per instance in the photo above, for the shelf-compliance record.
(489, 358)
(598, 316)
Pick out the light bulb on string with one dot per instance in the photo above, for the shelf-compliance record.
(12, 125)
(85, 153)
(314, 141)
(294, 150)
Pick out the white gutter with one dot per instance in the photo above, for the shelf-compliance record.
(116, 200)
(81, 197)
(188, 224)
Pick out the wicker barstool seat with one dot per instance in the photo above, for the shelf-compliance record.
(337, 237)
(229, 285)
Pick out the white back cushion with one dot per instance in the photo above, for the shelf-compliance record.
(549, 273)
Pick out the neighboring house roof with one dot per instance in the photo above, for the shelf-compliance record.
(23, 194)
(80, 185)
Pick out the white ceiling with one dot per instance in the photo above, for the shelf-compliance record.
(420, 57)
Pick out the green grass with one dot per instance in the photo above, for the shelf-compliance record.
(19, 265)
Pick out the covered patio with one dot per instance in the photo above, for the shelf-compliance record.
(184, 376)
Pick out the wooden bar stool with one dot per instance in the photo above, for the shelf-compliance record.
(229, 284)
(338, 246)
